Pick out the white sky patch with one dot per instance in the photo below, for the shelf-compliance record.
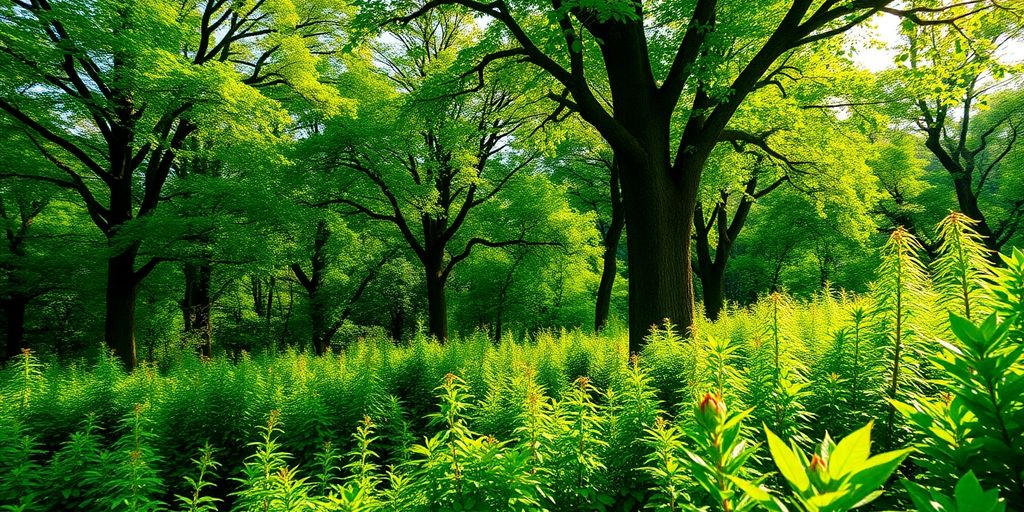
(872, 43)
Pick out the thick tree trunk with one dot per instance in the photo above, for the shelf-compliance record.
(712, 283)
(14, 316)
(967, 200)
(122, 288)
(437, 305)
(611, 253)
(197, 305)
(659, 218)
(658, 201)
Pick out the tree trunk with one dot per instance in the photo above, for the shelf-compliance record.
(197, 305)
(659, 218)
(122, 288)
(257, 295)
(318, 325)
(269, 309)
(611, 253)
(967, 201)
(313, 283)
(503, 295)
(658, 201)
(14, 315)
(397, 323)
(437, 306)
(712, 282)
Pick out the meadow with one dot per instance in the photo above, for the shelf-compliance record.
(905, 398)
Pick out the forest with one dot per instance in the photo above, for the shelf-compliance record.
(523, 255)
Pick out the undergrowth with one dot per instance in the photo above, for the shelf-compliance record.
(743, 416)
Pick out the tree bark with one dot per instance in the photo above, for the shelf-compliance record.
(313, 284)
(397, 323)
(14, 315)
(256, 286)
(122, 288)
(659, 218)
(197, 305)
(712, 281)
(609, 269)
(437, 305)
(967, 200)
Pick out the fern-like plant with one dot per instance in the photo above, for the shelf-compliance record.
(198, 500)
(126, 475)
(962, 264)
(901, 297)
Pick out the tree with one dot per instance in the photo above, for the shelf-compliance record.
(587, 167)
(322, 293)
(527, 287)
(711, 269)
(720, 55)
(954, 81)
(425, 160)
(110, 91)
(801, 143)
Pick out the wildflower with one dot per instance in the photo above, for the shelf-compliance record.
(712, 410)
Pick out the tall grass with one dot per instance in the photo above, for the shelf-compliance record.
(561, 421)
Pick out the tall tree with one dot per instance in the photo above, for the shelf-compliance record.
(951, 75)
(110, 91)
(812, 150)
(716, 57)
(585, 164)
(425, 160)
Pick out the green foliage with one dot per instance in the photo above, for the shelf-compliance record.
(719, 452)
(979, 425)
(198, 501)
(559, 422)
(902, 308)
(962, 265)
(838, 477)
(967, 495)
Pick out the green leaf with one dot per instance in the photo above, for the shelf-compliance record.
(787, 461)
(970, 497)
(875, 471)
(759, 495)
(852, 451)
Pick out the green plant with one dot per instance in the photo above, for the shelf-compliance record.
(668, 472)
(962, 265)
(719, 454)
(126, 476)
(206, 468)
(268, 483)
(836, 478)
(985, 372)
(1006, 287)
(968, 496)
(901, 297)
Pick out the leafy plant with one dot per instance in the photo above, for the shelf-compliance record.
(837, 477)
(968, 496)
(206, 468)
(719, 453)
(962, 265)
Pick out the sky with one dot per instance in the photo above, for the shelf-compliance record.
(886, 28)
